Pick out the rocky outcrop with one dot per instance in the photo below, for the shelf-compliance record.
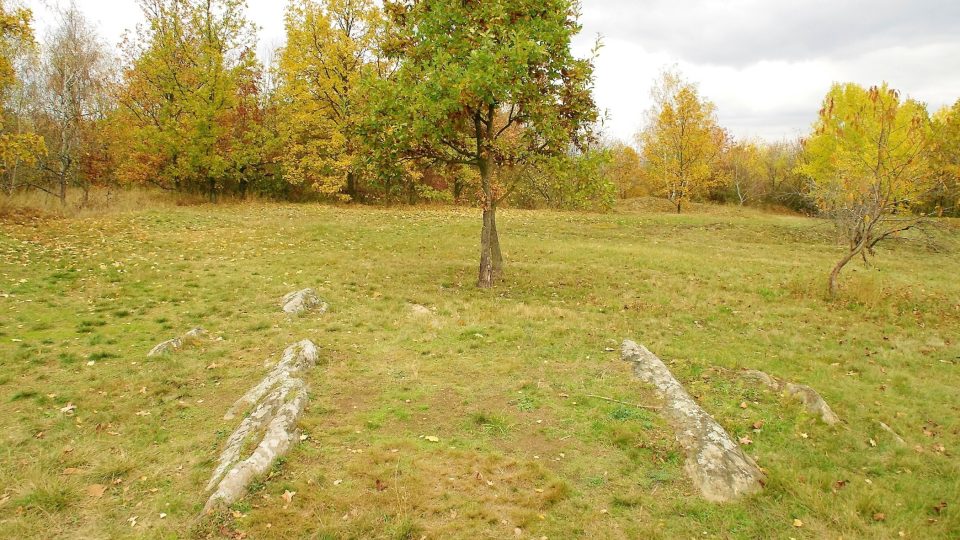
(811, 399)
(715, 463)
(276, 402)
(173, 344)
(299, 302)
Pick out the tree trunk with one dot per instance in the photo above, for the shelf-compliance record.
(835, 273)
(495, 246)
(212, 186)
(63, 189)
(352, 190)
(491, 259)
(679, 202)
(457, 190)
(485, 280)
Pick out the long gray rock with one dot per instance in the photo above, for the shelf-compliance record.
(811, 399)
(300, 302)
(715, 463)
(277, 403)
(173, 344)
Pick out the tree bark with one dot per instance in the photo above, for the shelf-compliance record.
(491, 259)
(63, 190)
(495, 245)
(836, 269)
(352, 190)
(485, 280)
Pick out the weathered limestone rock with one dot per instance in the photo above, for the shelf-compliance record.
(303, 301)
(715, 463)
(173, 344)
(896, 436)
(296, 360)
(811, 400)
(277, 401)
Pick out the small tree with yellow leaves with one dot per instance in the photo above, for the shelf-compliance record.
(867, 162)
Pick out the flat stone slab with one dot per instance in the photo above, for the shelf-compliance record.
(173, 344)
(812, 401)
(715, 463)
(299, 302)
(275, 405)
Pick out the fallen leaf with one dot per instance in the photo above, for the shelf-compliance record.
(288, 496)
(797, 523)
(840, 484)
(337, 482)
(380, 485)
(71, 471)
(68, 409)
(745, 441)
(133, 521)
(744, 405)
(758, 424)
(879, 516)
(939, 508)
(96, 490)
(162, 515)
(431, 438)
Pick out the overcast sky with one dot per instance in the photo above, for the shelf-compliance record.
(766, 63)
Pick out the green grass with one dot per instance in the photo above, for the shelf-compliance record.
(502, 377)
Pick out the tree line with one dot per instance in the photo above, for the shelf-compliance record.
(185, 105)
(465, 101)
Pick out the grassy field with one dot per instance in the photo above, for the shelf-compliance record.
(502, 378)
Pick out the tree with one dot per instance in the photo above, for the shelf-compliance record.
(74, 97)
(182, 84)
(623, 170)
(744, 166)
(682, 143)
(580, 180)
(867, 165)
(331, 46)
(16, 37)
(490, 84)
(945, 161)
